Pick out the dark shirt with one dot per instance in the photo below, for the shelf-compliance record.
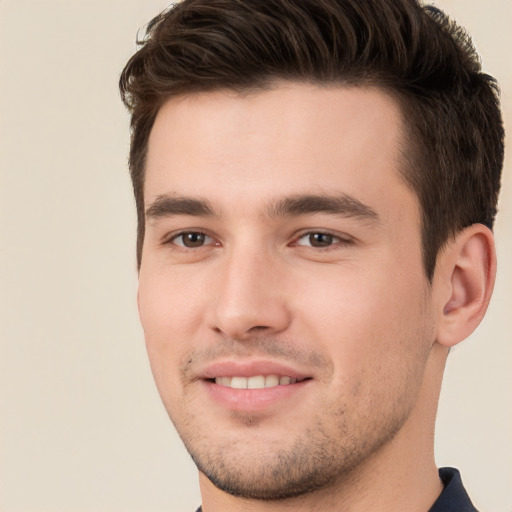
(454, 497)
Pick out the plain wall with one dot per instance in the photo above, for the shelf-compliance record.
(81, 425)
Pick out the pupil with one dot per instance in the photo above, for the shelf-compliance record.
(320, 240)
(193, 239)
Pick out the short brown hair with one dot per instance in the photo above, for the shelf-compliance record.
(454, 150)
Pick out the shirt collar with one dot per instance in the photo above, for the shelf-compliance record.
(454, 497)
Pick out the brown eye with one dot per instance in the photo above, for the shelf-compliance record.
(192, 239)
(320, 239)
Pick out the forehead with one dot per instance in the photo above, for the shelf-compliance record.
(292, 139)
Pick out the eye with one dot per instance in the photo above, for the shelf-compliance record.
(192, 239)
(320, 240)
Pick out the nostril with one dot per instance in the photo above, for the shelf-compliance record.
(258, 328)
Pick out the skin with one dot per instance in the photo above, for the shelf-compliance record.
(338, 295)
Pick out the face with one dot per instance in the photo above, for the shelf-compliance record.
(282, 294)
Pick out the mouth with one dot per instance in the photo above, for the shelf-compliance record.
(254, 386)
(256, 381)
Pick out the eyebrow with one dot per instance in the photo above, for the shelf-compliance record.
(166, 206)
(342, 204)
(292, 206)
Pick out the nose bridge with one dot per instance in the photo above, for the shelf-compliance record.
(250, 295)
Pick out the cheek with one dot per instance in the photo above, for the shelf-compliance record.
(371, 321)
(170, 314)
(169, 303)
(378, 341)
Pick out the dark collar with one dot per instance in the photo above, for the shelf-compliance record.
(454, 497)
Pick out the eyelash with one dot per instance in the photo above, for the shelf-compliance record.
(172, 239)
(336, 240)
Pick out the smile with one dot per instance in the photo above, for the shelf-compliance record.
(254, 386)
(256, 381)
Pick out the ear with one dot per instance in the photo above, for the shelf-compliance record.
(467, 272)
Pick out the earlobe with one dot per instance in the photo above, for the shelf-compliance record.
(469, 270)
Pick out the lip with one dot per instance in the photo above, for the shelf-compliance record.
(249, 369)
(253, 400)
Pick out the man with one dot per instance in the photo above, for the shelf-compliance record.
(316, 182)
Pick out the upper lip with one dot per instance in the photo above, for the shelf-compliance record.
(250, 369)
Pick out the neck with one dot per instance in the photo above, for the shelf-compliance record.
(401, 475)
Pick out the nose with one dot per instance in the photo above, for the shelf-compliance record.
(251, 299)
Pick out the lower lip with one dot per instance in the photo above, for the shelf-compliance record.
(253, 400)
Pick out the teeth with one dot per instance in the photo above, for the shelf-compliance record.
(239, 383)
(271, 381)
(255, 382)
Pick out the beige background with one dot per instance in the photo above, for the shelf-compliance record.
(81, 425)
